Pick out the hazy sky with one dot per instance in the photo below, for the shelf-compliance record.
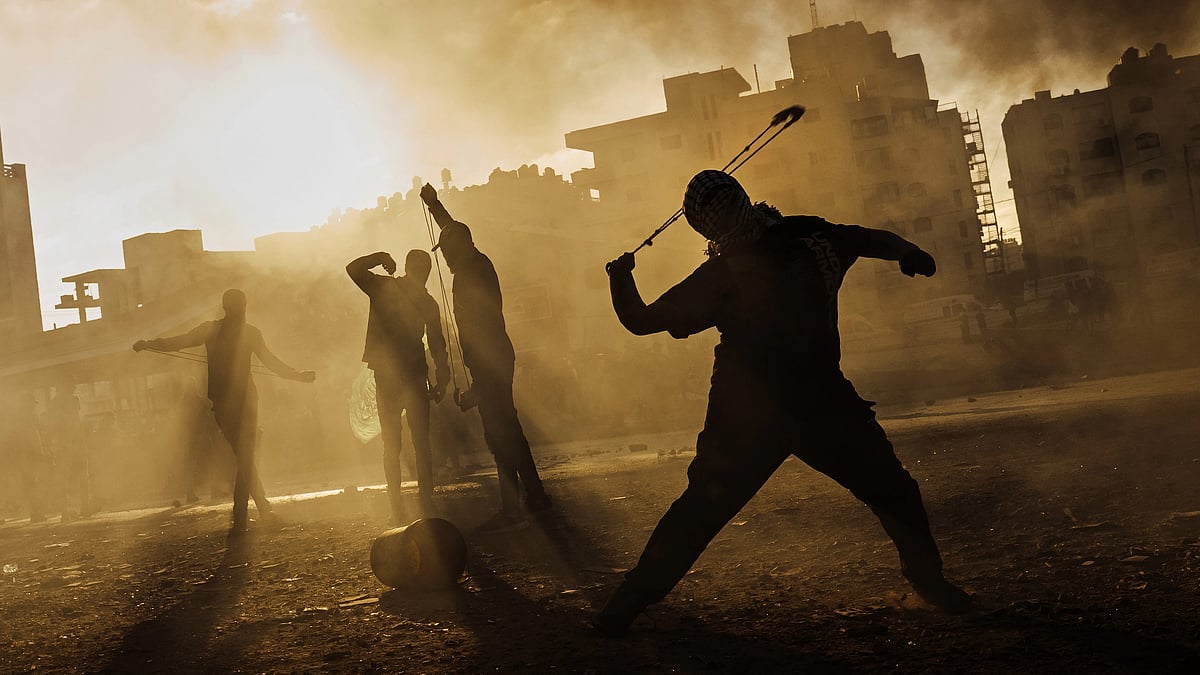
(244, 117)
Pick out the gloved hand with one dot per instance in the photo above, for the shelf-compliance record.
(621, 266)
(916, 262)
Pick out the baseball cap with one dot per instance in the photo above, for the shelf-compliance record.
(454, 233)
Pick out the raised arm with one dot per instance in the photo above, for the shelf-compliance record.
(276, 364)
(359, 269)
(193, 338)
(632, 311)
(440, 214)
(885, 245)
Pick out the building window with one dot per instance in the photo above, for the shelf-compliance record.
(1154, 177)
(869, 127)
(1058, 158)
(1095, 114)
(1097, 149)
(916, 190)
(671, 142)
(952, 167)
(1100, 184)
(714, 145)
(964, 230)
(880, 193)
(958, 200)
(1139, 104)
(1062, 195)
(1159, 214)
(1194, 132)
(816, 157)
(1146, 141)
(875, 159)
(922, 225)
(968, 260)
(1052, 122)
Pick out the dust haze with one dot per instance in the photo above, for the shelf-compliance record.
(295, 134)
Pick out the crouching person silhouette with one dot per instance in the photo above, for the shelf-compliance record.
(770, 287)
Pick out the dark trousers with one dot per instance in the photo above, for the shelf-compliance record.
(238, 422)
(30, 478)
(734, 459)
(397, 392)
(505, 438)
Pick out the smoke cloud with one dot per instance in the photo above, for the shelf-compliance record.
(245, 117)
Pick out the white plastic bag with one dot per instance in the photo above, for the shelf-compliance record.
(364, 412)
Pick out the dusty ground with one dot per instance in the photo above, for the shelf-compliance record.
(1072, 511)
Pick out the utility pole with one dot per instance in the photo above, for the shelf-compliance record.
(812, 10)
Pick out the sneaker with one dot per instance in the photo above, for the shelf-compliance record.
(502, 522)
(271, 520)
(944, 595)
(539, 504)
(624, 606)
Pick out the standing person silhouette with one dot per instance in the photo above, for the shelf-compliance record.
(71, 451)
(402, 313)
(229, 342)
(488, 353)
(771, 288)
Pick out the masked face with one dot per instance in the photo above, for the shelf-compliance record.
(717, 207)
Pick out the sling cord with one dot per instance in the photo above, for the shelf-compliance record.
(449, 323)
(201, 358)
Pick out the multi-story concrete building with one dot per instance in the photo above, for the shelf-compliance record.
(20, 306)
(872, 149)
(1106, 180)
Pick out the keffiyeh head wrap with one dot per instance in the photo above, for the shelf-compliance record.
(717, 207)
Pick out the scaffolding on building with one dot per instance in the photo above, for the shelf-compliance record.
(985, 208)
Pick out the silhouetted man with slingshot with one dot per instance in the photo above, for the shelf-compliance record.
(488, 353)
(770, 288)
(229, 343)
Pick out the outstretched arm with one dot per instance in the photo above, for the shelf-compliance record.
(193, 338)
(359, 269)
(632, 311)
(440, 214)
(277, 365)
(885, 245)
